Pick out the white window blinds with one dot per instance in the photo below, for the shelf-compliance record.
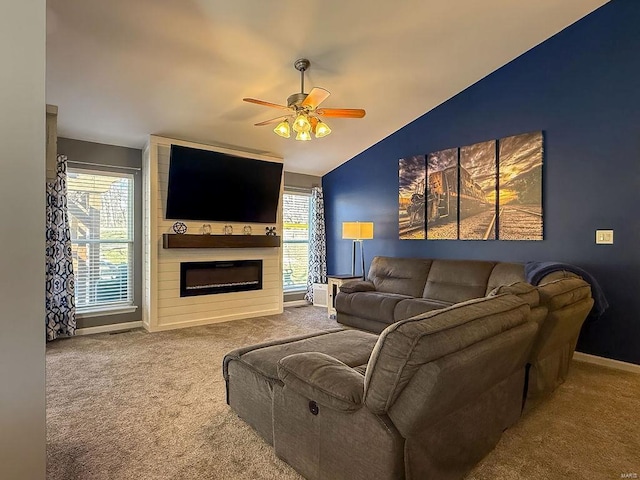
(295, 243)
(101, 222)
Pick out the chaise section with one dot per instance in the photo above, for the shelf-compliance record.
(428, 398)
(251, 373)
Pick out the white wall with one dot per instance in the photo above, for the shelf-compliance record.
(164, 308)
(22, 157)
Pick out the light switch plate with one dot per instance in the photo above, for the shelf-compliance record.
(604, 237)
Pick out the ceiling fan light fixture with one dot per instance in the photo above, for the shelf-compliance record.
(304, 136)
(283, 129)
(322, 129)
(301, 123)
(302, 110)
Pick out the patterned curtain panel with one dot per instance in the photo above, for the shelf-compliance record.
(60, 301)
(317, 243)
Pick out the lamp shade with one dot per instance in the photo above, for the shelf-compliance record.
(357, 230)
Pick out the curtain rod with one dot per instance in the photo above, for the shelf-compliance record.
(104, 165)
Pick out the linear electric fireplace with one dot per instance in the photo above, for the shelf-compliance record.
(206, 278)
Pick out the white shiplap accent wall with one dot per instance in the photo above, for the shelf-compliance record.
(163, 307)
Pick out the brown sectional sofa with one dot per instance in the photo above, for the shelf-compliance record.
(427, 390)
(399, 288)
(428, 398)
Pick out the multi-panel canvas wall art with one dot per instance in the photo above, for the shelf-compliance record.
(486, 191)
(478, 191)
(442, 195)
(411, 180)
(520, 174)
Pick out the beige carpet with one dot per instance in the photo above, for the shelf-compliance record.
(151, 406)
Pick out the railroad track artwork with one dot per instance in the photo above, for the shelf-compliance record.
(517, 222)
(408, 231)
(481, 226)
(520, 222)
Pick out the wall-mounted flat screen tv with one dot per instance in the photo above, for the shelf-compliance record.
(214, 186)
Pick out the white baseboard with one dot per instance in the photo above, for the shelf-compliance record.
(606, 362)
(296, 303)
(115, 327)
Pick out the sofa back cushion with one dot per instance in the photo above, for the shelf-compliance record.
(409, 345)
(527, 292)
(456, 281)
(405, 276)
(505, 273)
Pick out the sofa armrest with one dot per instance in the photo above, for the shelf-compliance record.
(357, 286)
(557, 275)
(324, 379)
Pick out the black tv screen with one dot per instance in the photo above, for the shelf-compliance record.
(214, 186)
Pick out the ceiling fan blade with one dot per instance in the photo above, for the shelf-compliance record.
(315, 97)
(266, 104)
(341, 112)
(267, 122)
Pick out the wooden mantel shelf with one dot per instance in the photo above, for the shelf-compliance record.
(175, 240)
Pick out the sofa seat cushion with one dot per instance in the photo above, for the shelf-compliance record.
(376, 306)
(351, 347)
(416, 306)
(323, 378)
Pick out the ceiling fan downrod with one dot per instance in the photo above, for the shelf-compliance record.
(302, 64)
(294, 100)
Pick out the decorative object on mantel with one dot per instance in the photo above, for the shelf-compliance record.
(302, 112)
(490, 190)
(206, 229)
(228, 230)
(271, 231)
(247, 230)
(180, 228)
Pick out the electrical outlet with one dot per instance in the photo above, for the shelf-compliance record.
(604, 237)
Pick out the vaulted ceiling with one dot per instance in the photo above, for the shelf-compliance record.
(120, 70)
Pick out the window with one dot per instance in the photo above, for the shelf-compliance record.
(101, 221)
(295, 243)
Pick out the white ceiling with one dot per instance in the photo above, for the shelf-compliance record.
(120, 70)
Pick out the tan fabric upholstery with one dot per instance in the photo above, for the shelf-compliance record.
(407, 345)
(457, 280)
(404, 276)
(399, 288)
(568, 301)
(437, 393)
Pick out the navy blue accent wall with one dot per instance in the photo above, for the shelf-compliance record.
(582, 88)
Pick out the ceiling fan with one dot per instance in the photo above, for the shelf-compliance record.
(302, 112)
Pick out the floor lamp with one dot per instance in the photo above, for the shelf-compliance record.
(357, 231)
